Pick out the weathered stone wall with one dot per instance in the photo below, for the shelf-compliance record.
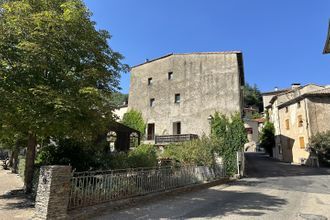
(319, 114)
(205, 82)
(53, 192)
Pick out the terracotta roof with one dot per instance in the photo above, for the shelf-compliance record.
(275, 92)
(260, 120)
(201, 53)
(319, 93)
(324, 91)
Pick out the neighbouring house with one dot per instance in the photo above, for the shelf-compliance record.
(252, 129)
(120, 111)
(178, 93)
(298, 113)
(327, 42)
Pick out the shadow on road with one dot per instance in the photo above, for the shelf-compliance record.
(16, 199)
(206, 203)
(238, 203)
(260, 166)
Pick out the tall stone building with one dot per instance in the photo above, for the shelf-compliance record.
(178, 93)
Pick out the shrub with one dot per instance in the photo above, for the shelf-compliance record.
(320, 143)
(68, 152)
(196, 152)
(134, 119)
(143, 156)
(230, 136)
(267, 138)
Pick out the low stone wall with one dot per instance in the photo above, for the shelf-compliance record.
(56, 182)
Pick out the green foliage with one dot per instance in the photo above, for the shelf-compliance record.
(82, 158)
(320, 143)
(253, 97)
(134, 119)
(267, 138)
(118, 98)
(68, 152)
(143, 156)
(57, 72)
(230, 136)
(196, 152)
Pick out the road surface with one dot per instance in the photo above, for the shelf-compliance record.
(273, 190)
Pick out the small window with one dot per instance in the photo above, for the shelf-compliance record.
(286, 109)
(149, 81)
(152, 102)
(302, 142)
(300, 121)
(298, 105)
(287, 124)
(170, 75)
(177, 98)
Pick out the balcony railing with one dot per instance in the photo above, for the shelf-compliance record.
(167, 139)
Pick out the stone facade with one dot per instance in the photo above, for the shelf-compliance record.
(53, 192)
(297, 115)
(187, 89)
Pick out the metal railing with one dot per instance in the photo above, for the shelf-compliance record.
(91, 188)
(163, 139)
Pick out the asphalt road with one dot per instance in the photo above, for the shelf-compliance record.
(272, 190)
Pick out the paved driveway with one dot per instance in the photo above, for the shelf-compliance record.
(273, 190)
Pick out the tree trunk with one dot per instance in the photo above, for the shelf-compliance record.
(29, 162)
(15, 158)
(10, 162)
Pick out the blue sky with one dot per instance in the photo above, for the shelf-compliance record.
(282, 40)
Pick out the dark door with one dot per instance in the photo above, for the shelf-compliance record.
(151, 132)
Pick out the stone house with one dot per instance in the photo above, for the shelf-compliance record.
(178, 93)
(298, 114)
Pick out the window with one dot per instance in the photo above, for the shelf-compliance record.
(287, 124)
(151, 132)
(298, 105)
(177, 98)
(177, 128)
(302, 142)
(170, 75)
(286, 109)
(149, 81)
(152, 102)
(300, 121)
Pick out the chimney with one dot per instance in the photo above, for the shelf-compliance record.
(295, 85)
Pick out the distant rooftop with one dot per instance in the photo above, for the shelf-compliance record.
(170, 54)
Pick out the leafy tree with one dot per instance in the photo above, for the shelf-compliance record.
(134, 119)
(320, 143)
(253, 97)
(267, 138)
(119, 98)
(231, 136)
(57, 73)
